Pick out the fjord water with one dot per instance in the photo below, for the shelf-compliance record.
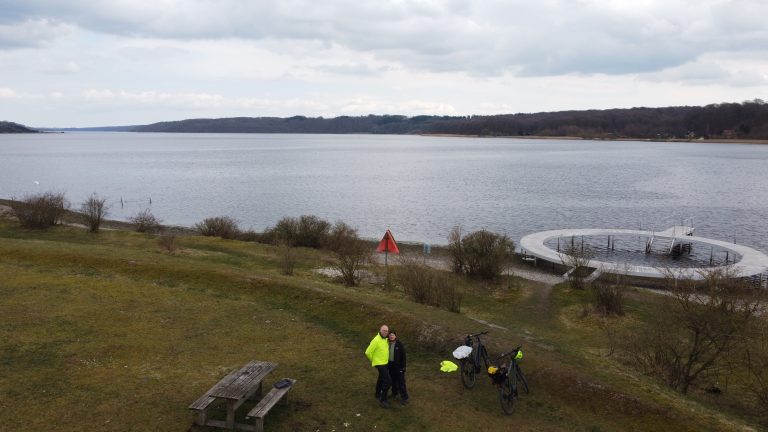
(420, 187)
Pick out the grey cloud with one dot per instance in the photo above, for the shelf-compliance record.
(704, 72)
(480, 38)
(352, 69)
(30, 33)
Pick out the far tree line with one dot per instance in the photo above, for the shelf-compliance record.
(746, 120)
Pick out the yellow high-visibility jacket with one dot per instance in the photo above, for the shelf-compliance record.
(378, 351)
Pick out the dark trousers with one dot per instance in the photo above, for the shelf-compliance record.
(383, 383)
(398, 382)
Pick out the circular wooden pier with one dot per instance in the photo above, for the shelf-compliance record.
(751, 263)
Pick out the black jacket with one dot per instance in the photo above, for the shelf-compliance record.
(399, 362)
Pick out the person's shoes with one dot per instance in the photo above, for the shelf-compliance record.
(404, 402)
(384, 404)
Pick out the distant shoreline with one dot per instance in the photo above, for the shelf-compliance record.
(573, 138)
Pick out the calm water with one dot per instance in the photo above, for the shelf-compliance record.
(419, 187)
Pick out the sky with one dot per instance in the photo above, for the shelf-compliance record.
(77, 63)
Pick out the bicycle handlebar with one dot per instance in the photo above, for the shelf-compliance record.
(511, 353)
(478, 334)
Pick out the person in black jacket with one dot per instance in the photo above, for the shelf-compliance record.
(397, 367)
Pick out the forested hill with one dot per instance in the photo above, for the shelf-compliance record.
(747, 120)
(10, 127)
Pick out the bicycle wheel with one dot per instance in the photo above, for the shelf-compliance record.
(522, 379)
(468, 375)
(507, 395)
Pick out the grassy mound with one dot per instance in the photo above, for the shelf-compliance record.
(107, 332)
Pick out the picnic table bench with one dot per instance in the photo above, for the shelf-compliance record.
(236, 388)
(265, 404)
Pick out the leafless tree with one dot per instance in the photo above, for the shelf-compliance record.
(94, 210)
(577, 260)
(698, 327)
(456, 250)
(351, 252)
(756, 363)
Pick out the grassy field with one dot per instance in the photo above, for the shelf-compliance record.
(107, 332)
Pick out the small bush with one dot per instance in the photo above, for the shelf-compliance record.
(167, 241)
(250, 236)
(220, 226)
(94, 211)
(481, 254)
(429, 286)
(312, 231)
(306, 231)
(608, 298)
(287, 259)
(42, 210)
(145, 221)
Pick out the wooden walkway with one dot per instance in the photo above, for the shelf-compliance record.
(752, 262)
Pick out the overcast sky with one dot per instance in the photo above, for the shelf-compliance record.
(93, 63)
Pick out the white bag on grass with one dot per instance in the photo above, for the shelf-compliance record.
(462, 352)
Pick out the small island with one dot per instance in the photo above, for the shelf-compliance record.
(11, 127)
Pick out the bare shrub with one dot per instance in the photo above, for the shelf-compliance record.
(145, 221)
(167, 242)
(42, 210)
(351, 252)
(429, 286)
(287, 259)
(455, 250)
(219, 226)
(611, 335)
(312, 231)
(481, 254)
(417, 281)
(607, 297)
(449, 294)
(698, 328)
(577, 260)
(250, 236)
(94, 210)
(285, 231)
(307, 231)
(755, 363)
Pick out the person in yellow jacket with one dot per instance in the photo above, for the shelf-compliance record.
(378, 354)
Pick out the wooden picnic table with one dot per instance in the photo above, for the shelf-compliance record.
(234, 390)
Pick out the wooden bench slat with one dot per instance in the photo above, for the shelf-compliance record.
(267, 402)
(245, 377)
(206, 399)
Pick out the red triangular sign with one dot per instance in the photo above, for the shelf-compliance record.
(387, 244)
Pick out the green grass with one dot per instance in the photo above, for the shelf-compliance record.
(106, 332)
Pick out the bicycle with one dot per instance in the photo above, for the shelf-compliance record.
(507, 377)
(470, 366)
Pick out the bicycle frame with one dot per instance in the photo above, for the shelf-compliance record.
(479, 352)
(470, 366)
